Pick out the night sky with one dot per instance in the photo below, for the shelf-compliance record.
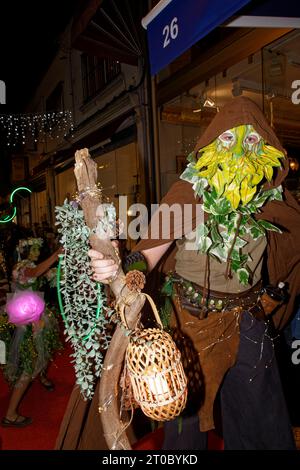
(29, 38)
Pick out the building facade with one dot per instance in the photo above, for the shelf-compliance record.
(140, 129)
(106, 90)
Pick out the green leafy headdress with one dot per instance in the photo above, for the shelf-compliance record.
(238, 166)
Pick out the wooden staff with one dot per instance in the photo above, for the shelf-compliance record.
(86, 177)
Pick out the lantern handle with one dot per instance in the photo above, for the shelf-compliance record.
(125, 302)
(154, 309)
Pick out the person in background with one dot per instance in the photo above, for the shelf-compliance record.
(29, 348)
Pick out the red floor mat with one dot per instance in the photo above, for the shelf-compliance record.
(45, 408)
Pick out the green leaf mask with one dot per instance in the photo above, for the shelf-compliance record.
(229, 176)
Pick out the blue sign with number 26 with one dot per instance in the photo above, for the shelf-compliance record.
(182, 23)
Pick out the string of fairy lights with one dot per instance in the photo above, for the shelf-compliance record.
(20, 128)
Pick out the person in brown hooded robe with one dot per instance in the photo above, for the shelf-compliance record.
(236, 175)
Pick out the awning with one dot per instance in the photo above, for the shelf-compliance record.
(109, 29)
(269, 14)
(173, 26)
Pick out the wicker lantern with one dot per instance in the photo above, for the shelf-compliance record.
(158, 380)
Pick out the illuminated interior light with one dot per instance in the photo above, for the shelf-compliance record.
(209, 103)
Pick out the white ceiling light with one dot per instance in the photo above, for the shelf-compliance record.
(205, 103)
(209, 103)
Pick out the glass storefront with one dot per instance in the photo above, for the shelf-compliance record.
(266, 77)
(281, 71)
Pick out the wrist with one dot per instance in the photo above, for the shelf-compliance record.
(135, 261)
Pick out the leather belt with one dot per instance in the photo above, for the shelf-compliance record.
(191, 298)
(201, 311)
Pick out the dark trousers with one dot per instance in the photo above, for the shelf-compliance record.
(253, 407)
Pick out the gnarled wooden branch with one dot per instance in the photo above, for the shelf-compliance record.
(86, 176)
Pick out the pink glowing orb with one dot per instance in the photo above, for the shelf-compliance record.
(25, 307)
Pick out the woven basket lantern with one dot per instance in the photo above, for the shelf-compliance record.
(154, 366)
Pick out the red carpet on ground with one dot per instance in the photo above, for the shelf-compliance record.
(47, 410)
(44, 407)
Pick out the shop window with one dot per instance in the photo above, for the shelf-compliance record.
(185, 117)
(97, 73)
(281, 62)
(270, 77)
(281, 75)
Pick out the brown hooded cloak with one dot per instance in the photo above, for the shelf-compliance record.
(215, 341)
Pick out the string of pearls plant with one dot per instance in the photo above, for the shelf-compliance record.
(83, 302)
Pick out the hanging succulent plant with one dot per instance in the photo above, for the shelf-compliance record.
(82, 300)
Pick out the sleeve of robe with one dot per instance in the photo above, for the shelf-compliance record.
(185, 212)
(284, 251)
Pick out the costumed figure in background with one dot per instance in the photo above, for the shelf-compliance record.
(221, 300)
(3, 270)
(3, 273)
(28, 328)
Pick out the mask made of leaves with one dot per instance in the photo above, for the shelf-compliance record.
(229, 176)
(236, 162)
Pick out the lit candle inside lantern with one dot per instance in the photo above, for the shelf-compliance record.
(158, 385)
